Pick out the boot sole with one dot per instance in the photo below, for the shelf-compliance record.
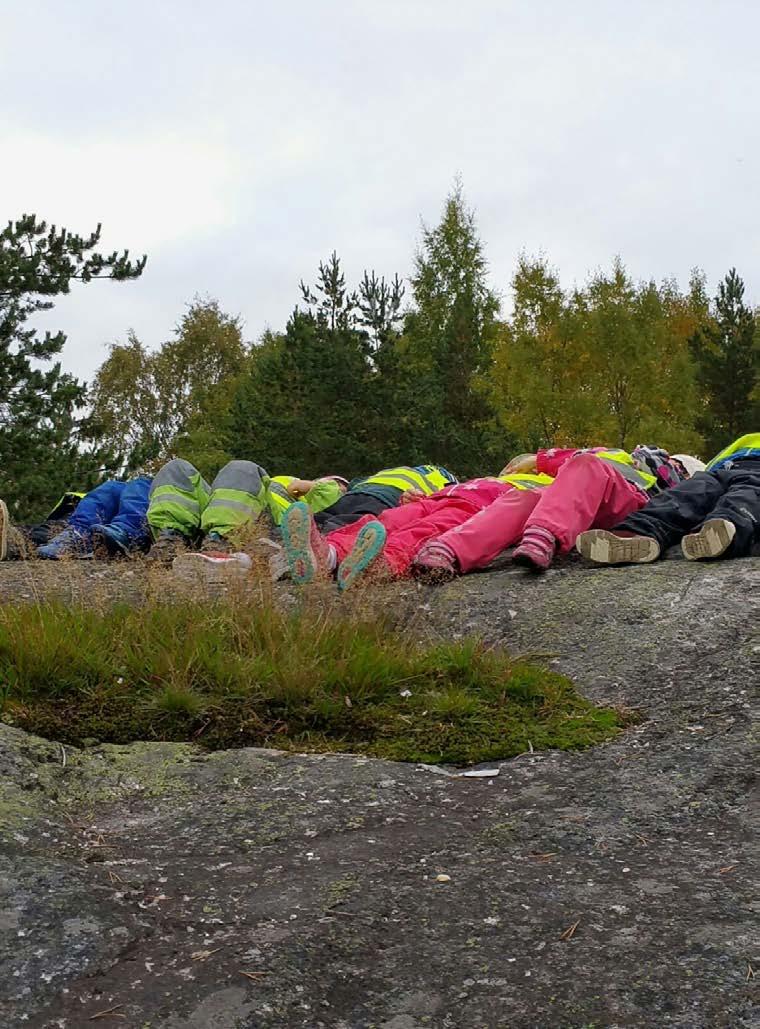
(369, 543)
(296, 538)
(605, 548)
(712, 540)
(4, 521)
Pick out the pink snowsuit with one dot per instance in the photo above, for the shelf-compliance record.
(411, 525)
(587, 493)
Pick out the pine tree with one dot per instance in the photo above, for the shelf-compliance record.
(727, 353)
(43, 439)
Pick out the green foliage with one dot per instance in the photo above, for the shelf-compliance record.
(45, 443)
(726, 348)
(144, 401)
(443, 410)
(233, 673)
(312, 400)
(355, 382)
(604, 364)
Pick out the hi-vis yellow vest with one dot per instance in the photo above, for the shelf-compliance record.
(622, 461)
(65, 506)
(405, 478)
(745, 446)
(278, 497)
(527, 480)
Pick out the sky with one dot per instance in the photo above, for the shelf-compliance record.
(239, 143)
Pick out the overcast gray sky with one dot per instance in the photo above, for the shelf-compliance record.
(237, 143)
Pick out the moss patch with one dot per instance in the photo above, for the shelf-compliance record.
(235, 673)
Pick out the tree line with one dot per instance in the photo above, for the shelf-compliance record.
(434, 369)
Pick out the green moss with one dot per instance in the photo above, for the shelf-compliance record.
(232, 674)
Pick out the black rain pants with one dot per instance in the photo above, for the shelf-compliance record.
(349, 509)
(733, 494)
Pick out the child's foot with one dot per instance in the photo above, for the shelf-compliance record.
(307, 552)
(214, 543)
(435, 562)
(68, 543)
(617, 548)
(536, 549)
(369, 543)
(109, 541)
(168, 544)
(711, 540)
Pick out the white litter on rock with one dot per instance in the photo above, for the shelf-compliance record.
(437, 770)
(479, 773)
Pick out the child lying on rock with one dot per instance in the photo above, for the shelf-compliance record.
(714, 514)
(467, 526)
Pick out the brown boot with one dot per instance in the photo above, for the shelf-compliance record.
(14, 546)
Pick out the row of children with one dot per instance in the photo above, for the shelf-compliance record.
(614, 506)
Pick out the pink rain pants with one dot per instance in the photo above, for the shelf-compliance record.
(411, 525)
(587, 494)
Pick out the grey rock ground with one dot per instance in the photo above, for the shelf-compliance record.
(157, 886)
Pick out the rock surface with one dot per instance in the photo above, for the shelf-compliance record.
(156, 886)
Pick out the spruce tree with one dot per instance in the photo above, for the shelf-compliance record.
(43, 438)
(448, 344)
(306, 407)
(727, 356)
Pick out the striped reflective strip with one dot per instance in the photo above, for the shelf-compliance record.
(633, 475)
(428, 482)
(169, 495)
(279, 494)
(403, 481)
(524, 482)
(234, 505)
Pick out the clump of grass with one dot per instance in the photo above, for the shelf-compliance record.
(234, 673)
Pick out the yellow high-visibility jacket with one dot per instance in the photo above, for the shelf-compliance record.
(745, 446)
(427, 478)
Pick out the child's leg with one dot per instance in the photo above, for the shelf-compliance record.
(587, 493)
(483, 536)
(394, 519)
(133, 509)
(98, 507)
(178, 494)
(238, 497)
(443, 516)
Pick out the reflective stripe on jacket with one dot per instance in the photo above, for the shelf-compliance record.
(278, 498)
(745, 446)
(526, 480)
(622, 462)
(427, 479)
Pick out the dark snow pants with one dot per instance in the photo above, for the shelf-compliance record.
(349, 509)
(733, 494)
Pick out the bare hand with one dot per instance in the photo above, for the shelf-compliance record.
(411, 495)
(300, 487)
(523, 464)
